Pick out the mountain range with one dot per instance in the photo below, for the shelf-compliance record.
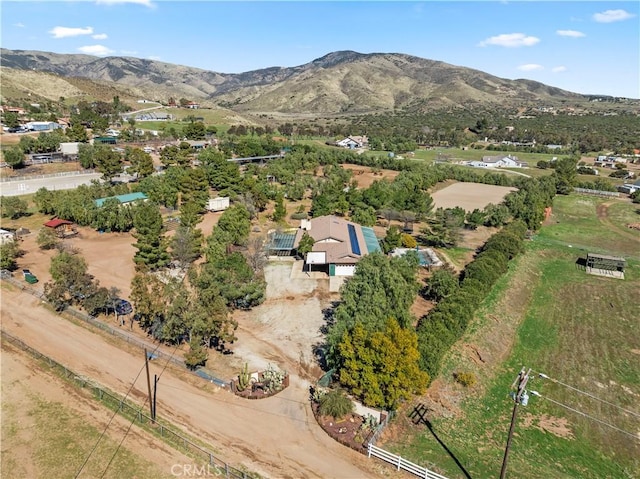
(340, 82)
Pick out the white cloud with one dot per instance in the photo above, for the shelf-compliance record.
(64, 32)
(97, 50)
(19, 25)
(146, 3)
(529, 67)
(559, 69)
(100, 36)
(570, 33)
(510, 40)
(609, 16)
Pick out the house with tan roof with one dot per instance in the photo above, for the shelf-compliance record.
(338, 244)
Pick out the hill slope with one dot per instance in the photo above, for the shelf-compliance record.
(343, 81)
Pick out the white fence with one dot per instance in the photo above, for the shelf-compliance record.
(403, 463)
(606, 194)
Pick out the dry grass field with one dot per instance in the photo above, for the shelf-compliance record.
(49, 428)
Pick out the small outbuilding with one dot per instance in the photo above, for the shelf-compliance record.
(63, 228)
(604, 265)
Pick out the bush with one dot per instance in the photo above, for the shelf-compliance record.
(299, 216)
(467, 379)
(335, 404)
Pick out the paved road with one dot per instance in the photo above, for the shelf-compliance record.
(28, 186)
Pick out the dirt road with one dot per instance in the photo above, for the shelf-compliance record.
(275, 437)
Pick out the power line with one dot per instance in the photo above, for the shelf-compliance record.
(544, 376)
(635, 436)
(134, 418)
(109, 423)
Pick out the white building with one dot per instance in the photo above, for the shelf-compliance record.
(499, 161)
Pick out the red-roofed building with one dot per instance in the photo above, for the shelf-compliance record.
(63, 228)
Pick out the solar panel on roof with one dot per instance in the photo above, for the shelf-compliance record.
(355, 247)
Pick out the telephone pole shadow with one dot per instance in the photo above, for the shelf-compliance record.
(418, 416)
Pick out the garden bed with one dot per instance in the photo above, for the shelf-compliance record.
(258, 387)
(347, 430)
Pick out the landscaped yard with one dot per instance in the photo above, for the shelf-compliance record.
(549, 315)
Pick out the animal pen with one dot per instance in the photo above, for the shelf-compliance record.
(604, 265)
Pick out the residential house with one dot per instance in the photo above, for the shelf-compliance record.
(609, 161)
(500, 161)
(192, 105)
(338, 244)
(353, 142)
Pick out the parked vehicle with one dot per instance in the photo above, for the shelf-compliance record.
(29, 277)
(123, 307)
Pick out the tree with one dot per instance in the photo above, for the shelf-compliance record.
(381, 367)
(566, 174)
(107, 161)
(392, 240)
(13, 207)
(306, 244)
(280, 211)
(186, 245)
(86, 155)
(236, 224)
(197, 355)
(151, 245)
(47, 238)
(194, 131)
(70, 282)
(77, 132)
(10, 119)
(442, 284)
(9, 251)
(141, 162)
(14, 157)
(474, 219)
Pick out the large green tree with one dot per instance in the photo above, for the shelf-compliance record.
(107, 161)
(381, 367)
(151, 244)
(14, 157)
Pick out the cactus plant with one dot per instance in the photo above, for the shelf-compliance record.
(273, 378)
(243, 378)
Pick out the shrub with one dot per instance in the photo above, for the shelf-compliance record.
(335, 404)
(408, 241)
(467, 379)
(299, 216)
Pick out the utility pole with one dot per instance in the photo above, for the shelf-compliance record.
(146, 365)
(155, 390)
(519, 397)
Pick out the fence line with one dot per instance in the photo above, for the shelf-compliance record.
(608, 194)
(403, 463)
(132, 412)
(121, 334)
(383, 424)
(9, 179)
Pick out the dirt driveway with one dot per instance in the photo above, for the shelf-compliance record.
(276, 437)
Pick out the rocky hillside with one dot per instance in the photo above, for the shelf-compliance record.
(340, 82)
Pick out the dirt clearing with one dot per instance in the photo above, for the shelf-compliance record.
(470, 196)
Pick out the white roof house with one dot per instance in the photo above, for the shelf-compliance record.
(499, 161)
(354, 142)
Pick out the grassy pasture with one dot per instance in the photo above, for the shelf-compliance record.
(549, 315)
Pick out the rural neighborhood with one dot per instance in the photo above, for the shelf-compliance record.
(233, 275)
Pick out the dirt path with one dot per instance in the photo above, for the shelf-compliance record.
(603, 215)
(276, 437)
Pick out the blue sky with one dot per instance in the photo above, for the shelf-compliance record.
(585, 47)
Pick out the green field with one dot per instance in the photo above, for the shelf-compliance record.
(549, 315)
